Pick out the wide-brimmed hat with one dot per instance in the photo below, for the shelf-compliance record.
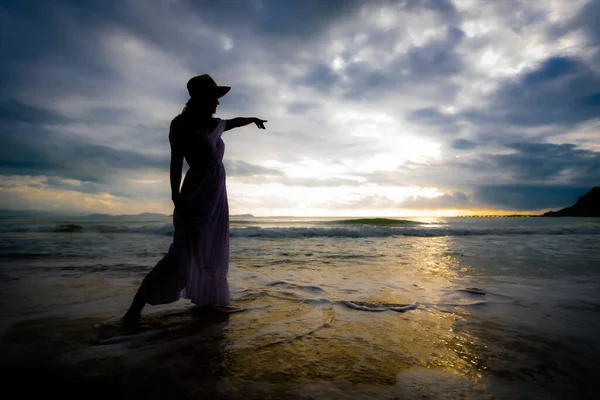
(205, 86)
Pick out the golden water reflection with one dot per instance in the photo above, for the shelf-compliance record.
(437, 258)
(295, 342)
(293, 337)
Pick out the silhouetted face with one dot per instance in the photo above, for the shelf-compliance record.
(209, 104)
(215, 105)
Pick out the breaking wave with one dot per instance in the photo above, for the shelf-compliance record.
(342, 231)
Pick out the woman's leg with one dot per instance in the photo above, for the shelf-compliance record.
(161, 285)
(132, 316)
(164, 282)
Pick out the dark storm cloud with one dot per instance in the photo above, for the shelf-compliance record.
(560, 91)
(32, 145)
(321, 77)
(432, 116)
(463, 144)
(588, 21)
(31, 31)
(448, 124)
(69, 38)
(38, 150)
(528, 197)
(170, 25)
(62, 40)
(544, 162)
(436, 58)
(13, 112)
(585, 21)
(527, 163)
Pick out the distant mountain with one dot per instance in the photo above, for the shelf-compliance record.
(7, 213)
(148, 214)
(144, 214)
(243, 215)
(587, 205)
(99, 216)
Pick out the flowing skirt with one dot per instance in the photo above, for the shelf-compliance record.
(196, 265)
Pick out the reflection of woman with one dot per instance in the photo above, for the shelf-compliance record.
(197, 262)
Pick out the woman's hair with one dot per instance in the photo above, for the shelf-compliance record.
(197, 105)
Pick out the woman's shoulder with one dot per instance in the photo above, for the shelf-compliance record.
(178, 130)
(214, 123)
(177, 123)
(180, 125)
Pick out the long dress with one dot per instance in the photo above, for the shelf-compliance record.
(196, 265)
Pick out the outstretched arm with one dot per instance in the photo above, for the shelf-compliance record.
(243, 121)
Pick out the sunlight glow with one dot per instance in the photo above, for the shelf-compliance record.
(366, 200)
(406, 149)
(489, 58)
(338, 64)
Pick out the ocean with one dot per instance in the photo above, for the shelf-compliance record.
(321, 308)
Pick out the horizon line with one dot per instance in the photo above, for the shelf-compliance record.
(500, 213)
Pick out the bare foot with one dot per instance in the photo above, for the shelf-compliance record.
(130, 319)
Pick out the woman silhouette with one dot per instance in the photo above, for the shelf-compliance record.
(197, 262)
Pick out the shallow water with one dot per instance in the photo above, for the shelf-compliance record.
(372, 309)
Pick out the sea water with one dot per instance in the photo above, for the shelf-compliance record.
(348, 307)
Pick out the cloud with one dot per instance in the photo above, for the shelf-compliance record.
(584, 21)
(463, 144)
(457, 200)
(544, 162)
(386, 71)
(431, 115)
(524, 167)
(14, 112)
(561, 90)
(588, 21)
(38, 150)
(528, 197)
(240, 169)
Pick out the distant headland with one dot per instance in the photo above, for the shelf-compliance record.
(587, 205)
(145, 214)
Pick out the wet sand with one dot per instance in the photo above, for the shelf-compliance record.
(273, 345)
(93, 358)
(257, 353)
(289, 352)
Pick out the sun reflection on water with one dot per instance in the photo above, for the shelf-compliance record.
(437, 259)
(292, 336)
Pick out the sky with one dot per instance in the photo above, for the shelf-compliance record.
(374, 108)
